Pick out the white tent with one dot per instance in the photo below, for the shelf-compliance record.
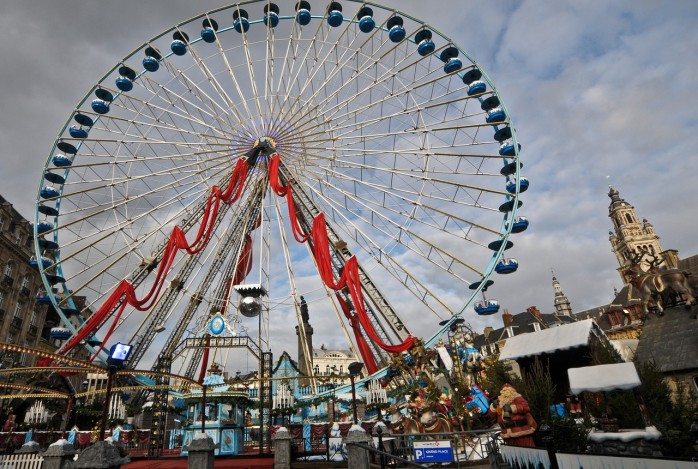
(563, 337)
(603, 377)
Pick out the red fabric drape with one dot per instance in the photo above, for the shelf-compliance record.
(125, 293)
(321, 251)
(361, 344)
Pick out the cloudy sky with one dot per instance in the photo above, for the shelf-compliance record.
(600, 93)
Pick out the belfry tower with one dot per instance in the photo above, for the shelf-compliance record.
(562, 304)
(635, 241)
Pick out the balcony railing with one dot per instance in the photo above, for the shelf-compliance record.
(7, 280)
(24, 291)
(16, 322)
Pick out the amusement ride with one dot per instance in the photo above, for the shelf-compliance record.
(343, 151)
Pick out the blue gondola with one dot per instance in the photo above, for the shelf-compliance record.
(506, 266)
(43, 227)
(486, 307)
(46, 244)
(208, 34)
(476, 285)
(523, 185)
(496, 115)
(43, 298)
(520, 224)
(271, 15)
(179, 43)
(395, 30)
(303, 13)
(510, 168)
(240, 21)
(495, 245)
(425, 45)
(100, 106)
(509, 206)
(366, 21)
(84, 121)
(126, 77)
(77, 132)
(334, 14)
(49, 192)
(61, 161)
(46, 262)
(507, 148)
(54, 178)
(60, 333)
(54, 279)
(48, 210)
(124, 84)
(477, 87)
(152, 59)
(450, 57)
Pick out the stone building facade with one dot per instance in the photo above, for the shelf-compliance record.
(22, 318)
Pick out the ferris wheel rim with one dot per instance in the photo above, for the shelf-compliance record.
(504, 232)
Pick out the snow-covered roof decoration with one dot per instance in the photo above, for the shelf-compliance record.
(563, 337)
(649, 433)
(603, 377)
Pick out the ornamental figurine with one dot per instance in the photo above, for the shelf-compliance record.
(514, 417)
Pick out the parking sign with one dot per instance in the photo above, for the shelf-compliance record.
(433, 451)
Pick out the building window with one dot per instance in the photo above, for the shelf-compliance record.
(2, 223)
(629, 218)
(2, 299)
(18, 311)
(19, 238)
(33, 319)
(8, 269)
(25, 282)
(536, 326)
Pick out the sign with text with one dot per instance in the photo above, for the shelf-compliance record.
(433, 451)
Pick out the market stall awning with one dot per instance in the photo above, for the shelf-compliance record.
(550, 340)
(603, 377)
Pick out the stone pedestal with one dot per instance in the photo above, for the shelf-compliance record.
(282, 449)
(101, 455)
(358, 458)
(201, 452)
(59, 455)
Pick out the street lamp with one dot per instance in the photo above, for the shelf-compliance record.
(117, 358)
(354, 370)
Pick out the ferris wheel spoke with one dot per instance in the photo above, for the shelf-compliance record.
(106, 232)
(414, 174)
(218, 88)
(371, 206)
(378, 81)
(137, 106)
(113, 184)
(347, 120)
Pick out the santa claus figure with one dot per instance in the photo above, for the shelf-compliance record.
(514, 417)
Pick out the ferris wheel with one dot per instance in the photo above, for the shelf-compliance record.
(348, 153)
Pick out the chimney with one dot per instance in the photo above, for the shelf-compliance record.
(534, 311)
(507, 318)
(488, 330)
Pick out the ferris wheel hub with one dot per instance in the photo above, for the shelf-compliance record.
(265, 144)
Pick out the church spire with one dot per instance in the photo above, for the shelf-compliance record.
(562, 304)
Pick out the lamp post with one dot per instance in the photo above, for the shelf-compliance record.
(117, 357)
(354, 370)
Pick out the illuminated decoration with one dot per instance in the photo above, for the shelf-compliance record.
(217, 324)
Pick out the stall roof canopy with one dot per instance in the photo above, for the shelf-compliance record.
(603, 377)
(550, 340)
